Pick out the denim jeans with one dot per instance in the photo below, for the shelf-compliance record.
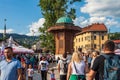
(44, 75)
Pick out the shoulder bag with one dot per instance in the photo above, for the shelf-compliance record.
(79, 77)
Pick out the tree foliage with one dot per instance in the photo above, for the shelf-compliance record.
(52, 10)
(114, 36)
(1, 39)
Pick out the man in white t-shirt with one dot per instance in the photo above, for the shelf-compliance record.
(61, 67)
(43, 68)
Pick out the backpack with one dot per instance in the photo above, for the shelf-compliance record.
(64, 66)
(111, 67)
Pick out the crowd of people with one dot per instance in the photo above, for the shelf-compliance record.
(23, 65)
(82, 66)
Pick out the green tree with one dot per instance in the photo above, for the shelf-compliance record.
(114, 36)
(52, 10)
(1, 39)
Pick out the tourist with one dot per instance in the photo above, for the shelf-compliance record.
(76, 68)
(95, 54)
(63, 67)
(10, 68)
(103, 63)
(43, 68)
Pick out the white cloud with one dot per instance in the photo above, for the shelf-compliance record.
(34, 27)
(7, 31)
(109, 22)
(112, 23)
(109, 8)
(100, 11)
(80, 21)
(97, 19)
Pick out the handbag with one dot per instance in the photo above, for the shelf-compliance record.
(79, 77)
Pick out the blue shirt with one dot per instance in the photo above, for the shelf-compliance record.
(52, 75)
(9, 69)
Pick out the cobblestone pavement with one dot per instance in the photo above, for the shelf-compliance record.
(54, 65)
(37, 75)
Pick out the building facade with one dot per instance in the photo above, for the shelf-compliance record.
(91, 37)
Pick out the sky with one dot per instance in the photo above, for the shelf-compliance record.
(24, 16)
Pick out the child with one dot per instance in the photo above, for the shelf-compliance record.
(30, 72)
(52, 74)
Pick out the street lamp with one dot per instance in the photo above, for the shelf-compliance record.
(4, 33)
(109, 34)
(33, 36)
(33, 32)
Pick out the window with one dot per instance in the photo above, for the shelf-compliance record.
(86, 45)
(85, 38)
(94, 32)
(88, 38)
(91, 38)
(94, 37)
(102, 37)
(94, 45)
(82, 39)
(76, 40)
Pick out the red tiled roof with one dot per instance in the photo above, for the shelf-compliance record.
(94, 27)
(116, 41)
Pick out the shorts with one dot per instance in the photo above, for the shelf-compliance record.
(52, 78)
(75, 77)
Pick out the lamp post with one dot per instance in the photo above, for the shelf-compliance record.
(109, 34)
(4, 33)
(33, 34)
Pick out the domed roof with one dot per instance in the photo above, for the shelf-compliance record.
(64, 20)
